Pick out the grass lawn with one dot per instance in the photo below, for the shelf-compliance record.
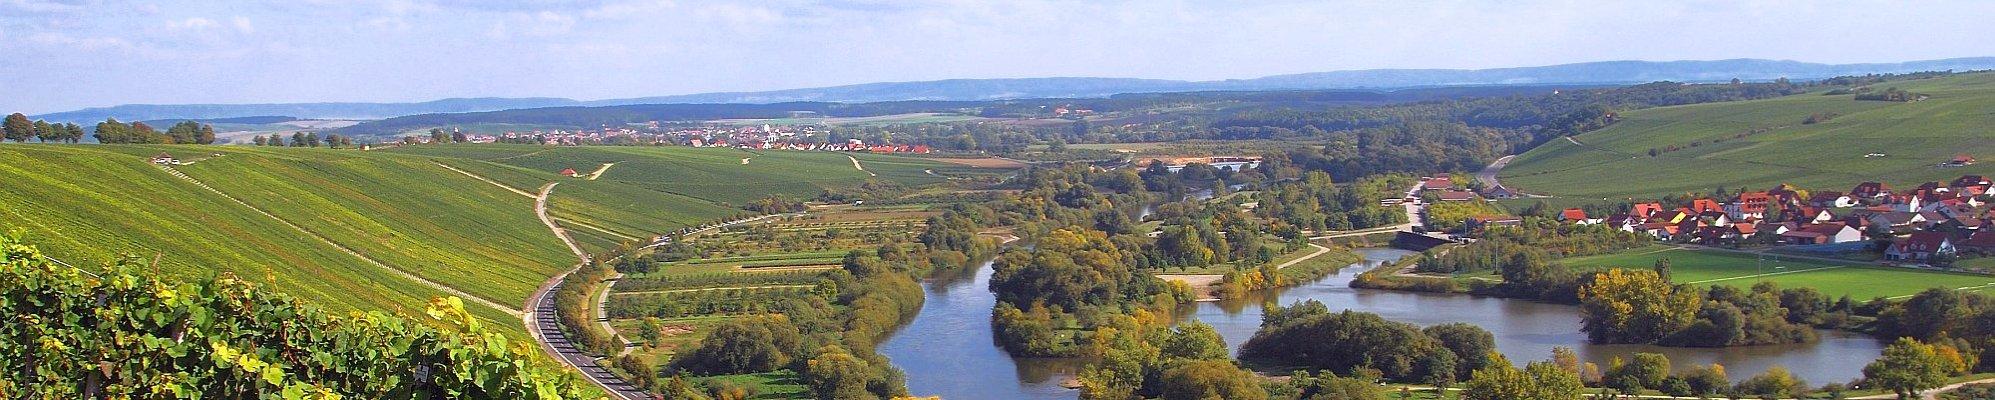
(1861, 281)
(779, 384)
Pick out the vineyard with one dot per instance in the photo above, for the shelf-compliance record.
(128, 334)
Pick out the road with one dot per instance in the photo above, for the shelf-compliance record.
(1412, 220)
(540, 316)
(1488, 175)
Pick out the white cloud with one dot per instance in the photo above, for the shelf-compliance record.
(194, 23)
(242, 24)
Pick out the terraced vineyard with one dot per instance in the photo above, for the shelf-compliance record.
(1760, 143)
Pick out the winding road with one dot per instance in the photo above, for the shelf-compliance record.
(1488, 175)
(540, 316)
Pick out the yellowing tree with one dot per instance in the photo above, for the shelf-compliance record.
(1638, 306)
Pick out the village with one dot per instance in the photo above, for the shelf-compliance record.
(763, 137)
(1930, 225)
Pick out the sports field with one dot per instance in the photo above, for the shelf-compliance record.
(1760, 143)
(1861, 281)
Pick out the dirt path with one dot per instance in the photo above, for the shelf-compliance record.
(1203, 282)
(712, 289)
(855, 165)
(600, 170)
(363, 257)
(494, 183)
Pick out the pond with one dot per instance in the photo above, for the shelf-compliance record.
(947, 350)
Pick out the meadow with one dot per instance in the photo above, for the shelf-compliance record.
(1760, 143)
(1860, 281)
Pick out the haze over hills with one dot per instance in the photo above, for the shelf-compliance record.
(1606, 72)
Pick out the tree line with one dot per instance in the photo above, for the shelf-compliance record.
(304, 139)
(17, 128)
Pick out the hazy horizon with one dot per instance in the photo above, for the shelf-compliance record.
(67, 55)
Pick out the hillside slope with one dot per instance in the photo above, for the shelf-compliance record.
(1760, 143)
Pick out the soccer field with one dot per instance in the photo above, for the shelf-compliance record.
(1859, 280)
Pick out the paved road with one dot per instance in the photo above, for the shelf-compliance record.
(541, 324)
(1488, 175)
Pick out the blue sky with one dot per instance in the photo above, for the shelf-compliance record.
(58, 55)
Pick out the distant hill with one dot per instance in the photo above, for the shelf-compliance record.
(1607, 72)
(1819, 141)
(205, 112)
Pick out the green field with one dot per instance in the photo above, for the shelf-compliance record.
(1861, 281)
(401, 210)
(1760, 143)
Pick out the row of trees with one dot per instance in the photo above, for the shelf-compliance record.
(113, 132)
(304, 139)
(18, 129)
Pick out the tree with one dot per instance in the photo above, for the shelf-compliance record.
(1776, 382)
(45, 132)
(72, 133)
(18, 128)
(312, 139)
(1662, 268)
(112, 131)
(1471, 344)
(1211, 379)
(1195, 340)
(206, 136)
(184, 132)
(742, 346)
(298, 139)
(436, 135)
(1623, 306)
(259, 140)
(651, 330)
(1908, 367)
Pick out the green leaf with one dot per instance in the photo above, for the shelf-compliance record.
(273, 374)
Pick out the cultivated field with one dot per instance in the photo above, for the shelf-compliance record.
(1861, 281)
(387, 230)
(1761, 143)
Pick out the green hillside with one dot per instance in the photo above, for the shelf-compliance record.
(1760, 143)
(88, 204)
(388, 230)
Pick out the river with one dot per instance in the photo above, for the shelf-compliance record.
(948, 350)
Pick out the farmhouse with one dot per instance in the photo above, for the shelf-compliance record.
(1870, 190)
(1824, 233)
(1436, 183)
(568, 172)
(165, 159)
(1645, 210)
(1748, 205)
(1921, 246)
(1831, 199)
(1457, 195)
(1982, 243)
(1576, 216)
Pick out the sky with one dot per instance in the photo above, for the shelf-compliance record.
(58, 55)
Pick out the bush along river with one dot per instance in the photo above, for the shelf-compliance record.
(948, 349)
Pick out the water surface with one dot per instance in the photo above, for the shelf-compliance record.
(948, 350)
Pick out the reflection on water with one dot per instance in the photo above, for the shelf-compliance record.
(1527, 330)
(948, 350)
